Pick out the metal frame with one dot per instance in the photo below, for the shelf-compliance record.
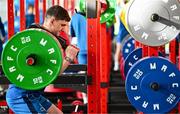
(10, 6)
(96, 78)
(37, 14)
(172, 51)
(22, 15)
(44, 8)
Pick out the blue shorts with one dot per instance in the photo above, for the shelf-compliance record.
(31, 103)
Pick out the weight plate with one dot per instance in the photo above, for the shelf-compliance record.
(123, 13)
(106, 15)
(82, 5)
(32, 59)
(133, 57)
(124, 40)
(128, 47)
(109, 12)
(110, 22)
(152, 85)
(154, 22)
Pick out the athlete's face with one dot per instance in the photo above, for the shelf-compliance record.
(58, 25)
(55, 26)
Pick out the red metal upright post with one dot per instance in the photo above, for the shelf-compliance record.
(57, 2)
(172, 58)
(172, 51)
(66, 4)
(144, 50)
(10, 6)
(92, 89)
(103, 69)
(72, 6)
(22, 16)
(44, 8)
(36, 4)
(161, 49)
(109, 47)
(53, 2)
(153, 51)
(137, 44)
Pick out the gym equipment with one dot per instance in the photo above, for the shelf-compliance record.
(154, 22)
(32, 59)
(125, 39)
(132, 58)
(123, 13)
(91, 10)
(128, 47)
(82, 5)
(109, 12)
(4, 109)
(152, 85)
(110, 22)
(105, 16)
(77, 103)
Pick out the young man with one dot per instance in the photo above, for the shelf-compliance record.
(25, 101)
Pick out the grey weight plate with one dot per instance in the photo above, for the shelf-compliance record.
(158, 32)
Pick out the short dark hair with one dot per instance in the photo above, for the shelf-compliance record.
(58, 12)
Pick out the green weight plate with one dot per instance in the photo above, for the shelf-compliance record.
(105, 16)
(110, 22)
(32, 59)
(109, 12)
(82, 5)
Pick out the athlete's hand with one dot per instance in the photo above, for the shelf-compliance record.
(71, 52)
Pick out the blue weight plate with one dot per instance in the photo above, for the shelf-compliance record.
(152, 85)
(128, 47)
(132, 58)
